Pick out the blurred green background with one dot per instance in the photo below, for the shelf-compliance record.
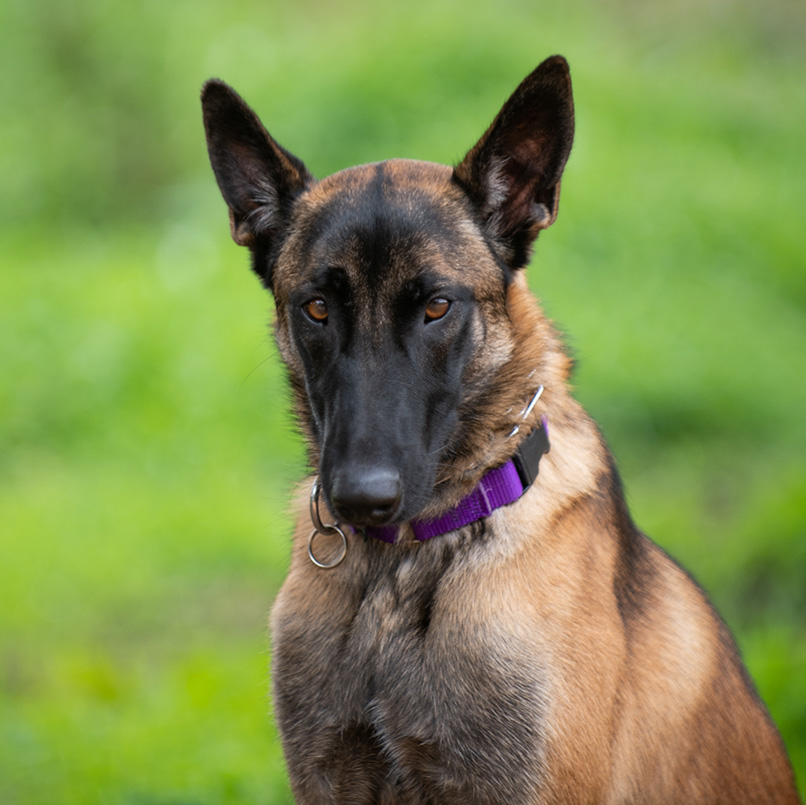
(146, 450)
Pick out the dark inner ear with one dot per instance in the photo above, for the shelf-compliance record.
(258, 178)
(513, 173)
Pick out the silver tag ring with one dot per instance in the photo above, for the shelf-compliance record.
(314, 508)
(339, 558)
(526, 411)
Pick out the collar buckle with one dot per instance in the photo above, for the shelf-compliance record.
(530, 451)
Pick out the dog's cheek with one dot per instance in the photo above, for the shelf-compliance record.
(282, 337)
(292, 358)
(493, 342)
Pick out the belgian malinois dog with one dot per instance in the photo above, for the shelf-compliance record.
(471, 615)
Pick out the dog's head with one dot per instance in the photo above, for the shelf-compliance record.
(392, 287)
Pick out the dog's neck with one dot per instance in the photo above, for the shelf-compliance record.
(537, 357)
(498, 487)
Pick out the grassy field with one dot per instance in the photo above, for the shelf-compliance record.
(146, 450)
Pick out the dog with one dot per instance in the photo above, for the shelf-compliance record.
(470, 615)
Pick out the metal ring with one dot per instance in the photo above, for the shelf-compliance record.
(314, 507)
(338, 560)
(532, 402)
(526, 411)
(323, 528)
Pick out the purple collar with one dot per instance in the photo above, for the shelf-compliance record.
(499, 487)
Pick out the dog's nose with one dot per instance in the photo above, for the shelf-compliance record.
(364, 496)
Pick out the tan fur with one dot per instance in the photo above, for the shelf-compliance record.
(628, 710)
(549, 653)
(630, 713)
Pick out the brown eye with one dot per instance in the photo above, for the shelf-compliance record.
(316, 310)
(436, 309)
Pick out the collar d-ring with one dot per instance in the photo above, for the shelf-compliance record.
(323, 528)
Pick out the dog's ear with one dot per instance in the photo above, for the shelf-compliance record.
(258, 178)
(512, 174)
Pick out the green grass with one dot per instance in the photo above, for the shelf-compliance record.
(146, 450)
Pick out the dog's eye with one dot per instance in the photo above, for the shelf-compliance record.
(436, 309)
(316, 310)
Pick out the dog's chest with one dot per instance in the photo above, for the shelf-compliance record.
(408, 657)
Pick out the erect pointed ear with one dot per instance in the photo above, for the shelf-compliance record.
(512, 174)
(258, 178)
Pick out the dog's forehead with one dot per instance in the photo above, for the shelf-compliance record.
(382, 220)
(393, 177)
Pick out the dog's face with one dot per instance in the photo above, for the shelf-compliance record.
(383, 291)
(391, 285)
